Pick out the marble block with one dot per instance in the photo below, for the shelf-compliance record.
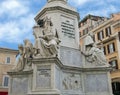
(19, 83)
(43, 77)
(51, 77)
(98, 83)
(70, 57)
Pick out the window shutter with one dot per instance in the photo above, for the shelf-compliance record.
(104, 50)
(119, 35)
(116, 64)
(8, 59)
(110, 29)
(98, 34)
(6, 80)
(113, 46)
(108, 48)
(106, 32)
(102, 34)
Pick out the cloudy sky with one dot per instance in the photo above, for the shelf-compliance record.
(17, 16)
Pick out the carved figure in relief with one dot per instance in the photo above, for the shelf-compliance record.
(66, 83)
(47, 43)
(71, 82)
(92, 53)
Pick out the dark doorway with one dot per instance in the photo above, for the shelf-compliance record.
(116, 88)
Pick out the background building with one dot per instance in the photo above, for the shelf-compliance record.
(107, 37)
(7, 61)
(90, 22)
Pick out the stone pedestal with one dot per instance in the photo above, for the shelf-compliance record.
(20, 82)
(51, 77)
(44, 77)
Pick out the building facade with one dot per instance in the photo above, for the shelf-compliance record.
(7, 61)
(107, 37)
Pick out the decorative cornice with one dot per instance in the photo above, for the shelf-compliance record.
(117, 24)
(56, 8)
(64, 67)
(21, 73)
(49, 59)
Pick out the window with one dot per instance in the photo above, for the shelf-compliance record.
(5, 81)
(119, 35)
(100, 35)
(114, 64)
(85, 31)
(108, 31)
(85, 22)
(111, 48)
(8, 60)
(104, 50)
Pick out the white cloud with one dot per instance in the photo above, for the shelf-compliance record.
(14, 8)
(105, 11)
(96, 7)
(15, 31)
(19, 23)
(78, 3)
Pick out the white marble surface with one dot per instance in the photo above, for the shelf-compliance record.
(70, 57)
(19, 86)
(58, 18)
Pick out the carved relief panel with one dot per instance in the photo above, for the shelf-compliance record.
(71, 81)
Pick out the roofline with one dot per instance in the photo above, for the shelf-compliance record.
(88, 16)
(2, 49)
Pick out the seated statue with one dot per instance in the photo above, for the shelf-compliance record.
(20, 61)
(47, 43)
(28, 49)
(25, 52)
(92, 53)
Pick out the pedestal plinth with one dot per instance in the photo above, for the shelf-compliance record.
(20, 82)
(51, 77)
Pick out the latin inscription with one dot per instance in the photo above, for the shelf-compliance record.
(68, 28)
(43, 79)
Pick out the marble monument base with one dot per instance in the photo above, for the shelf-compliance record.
(51, 77)
(20, 82)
